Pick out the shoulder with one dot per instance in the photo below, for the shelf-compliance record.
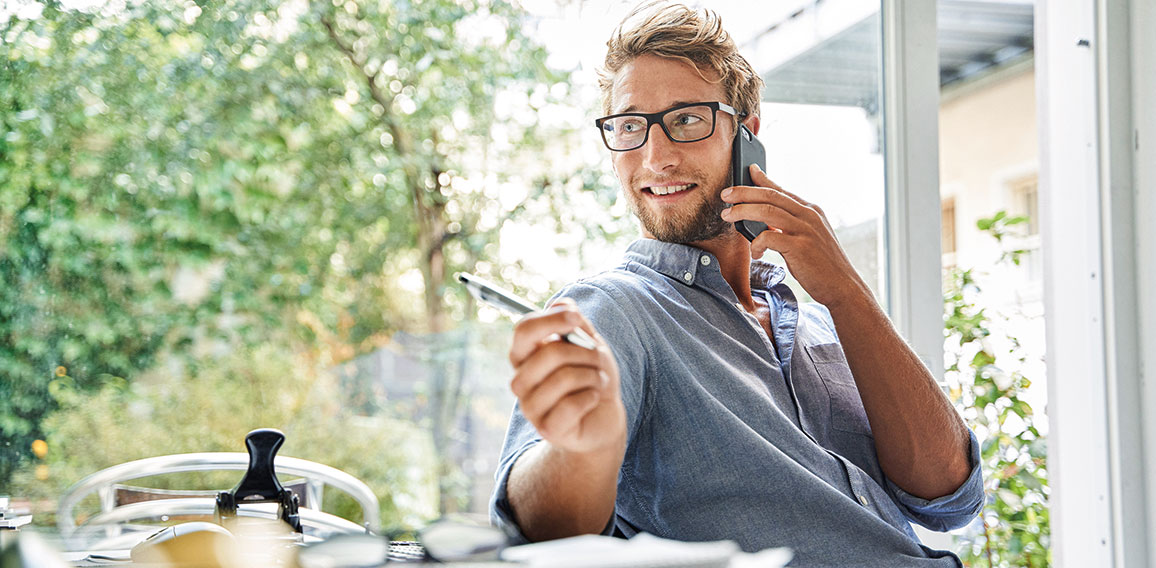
(624, 289)
(616, 303)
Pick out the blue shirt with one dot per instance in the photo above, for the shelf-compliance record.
(733, 436)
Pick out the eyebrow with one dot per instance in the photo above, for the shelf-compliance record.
(634, 108)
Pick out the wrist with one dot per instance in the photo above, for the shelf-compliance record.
(856, 299)
(610, 449)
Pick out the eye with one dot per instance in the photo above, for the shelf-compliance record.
(687, 119)
(631, 126)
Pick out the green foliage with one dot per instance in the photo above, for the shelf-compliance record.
(988, 388)
(997, 226)
(211, 408)
(183, 173)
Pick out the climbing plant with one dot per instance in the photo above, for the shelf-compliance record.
(985, 374)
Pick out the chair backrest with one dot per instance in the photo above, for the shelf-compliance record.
(114, 494)
(129, 494)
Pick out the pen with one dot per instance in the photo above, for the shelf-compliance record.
(495, 296)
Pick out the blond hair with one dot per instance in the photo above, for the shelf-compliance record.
(696, 37)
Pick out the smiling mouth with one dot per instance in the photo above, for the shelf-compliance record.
(668, 189)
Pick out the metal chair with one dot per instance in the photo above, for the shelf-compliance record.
(298, 502)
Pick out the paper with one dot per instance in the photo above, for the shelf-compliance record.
(642, 551)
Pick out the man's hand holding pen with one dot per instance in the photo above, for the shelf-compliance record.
(569, 393)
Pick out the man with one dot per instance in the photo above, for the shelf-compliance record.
(716, 406)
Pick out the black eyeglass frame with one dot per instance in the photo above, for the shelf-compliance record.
(656, 118)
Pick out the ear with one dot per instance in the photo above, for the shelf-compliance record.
(752, 123)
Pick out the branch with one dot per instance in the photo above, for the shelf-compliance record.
(400, 142)
(400, 139)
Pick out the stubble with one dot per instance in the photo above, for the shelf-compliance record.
(702, 223)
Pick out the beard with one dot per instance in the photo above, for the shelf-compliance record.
(700, 223)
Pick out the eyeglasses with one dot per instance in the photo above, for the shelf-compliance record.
(689, 122)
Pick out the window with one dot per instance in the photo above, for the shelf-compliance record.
(823, 119)
(273, 244)
(988, 162)
(1024, 202)
(947, 231)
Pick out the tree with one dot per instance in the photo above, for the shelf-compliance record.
(187, 178)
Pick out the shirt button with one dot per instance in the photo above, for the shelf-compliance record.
(863, 500)
(687, 276)
(705, 260)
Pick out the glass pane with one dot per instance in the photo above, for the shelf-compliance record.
(989, 166)
(221, 218)
(822, 120)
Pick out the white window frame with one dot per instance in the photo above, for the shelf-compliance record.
(911, 171)
(1096, 73)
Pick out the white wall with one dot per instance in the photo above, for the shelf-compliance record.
(987, 139)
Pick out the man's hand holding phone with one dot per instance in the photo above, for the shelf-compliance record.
(799, 231)
(569, 393)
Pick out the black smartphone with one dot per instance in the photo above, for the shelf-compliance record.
(745, 151)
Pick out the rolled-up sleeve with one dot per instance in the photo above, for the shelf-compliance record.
(950, 511)
(517, 443)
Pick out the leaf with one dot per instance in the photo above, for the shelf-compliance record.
(1022, 408)
(982, 359)
(1009, 498)
(1029, 480)
(1038, 448)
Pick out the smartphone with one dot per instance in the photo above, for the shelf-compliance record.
(745, 151)
(510, 303)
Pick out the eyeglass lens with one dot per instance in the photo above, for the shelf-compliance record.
(687, 124)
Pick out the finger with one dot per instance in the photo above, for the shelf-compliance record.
(769, 240)
(758, 194)
(567, 415)
(760, 177)
(547, 360)
(559, 385)
(774, 216)
(801, 208)
(537, 327)
(822, 214)
(582, 321)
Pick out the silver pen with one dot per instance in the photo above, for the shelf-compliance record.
(506, 301)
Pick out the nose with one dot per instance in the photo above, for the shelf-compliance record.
(660, 153)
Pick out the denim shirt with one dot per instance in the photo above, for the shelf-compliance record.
(734, 436)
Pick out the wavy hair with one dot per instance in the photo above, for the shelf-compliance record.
(676, 31)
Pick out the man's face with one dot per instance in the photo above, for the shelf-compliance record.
(691, 175)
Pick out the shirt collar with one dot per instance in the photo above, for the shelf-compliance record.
(765, 275)
(686, 264)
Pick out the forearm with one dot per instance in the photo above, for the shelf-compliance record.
(921, 441)
(556, 494)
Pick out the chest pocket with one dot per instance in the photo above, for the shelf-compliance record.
(847, 412)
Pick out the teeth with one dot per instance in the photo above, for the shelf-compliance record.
(669, 189)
